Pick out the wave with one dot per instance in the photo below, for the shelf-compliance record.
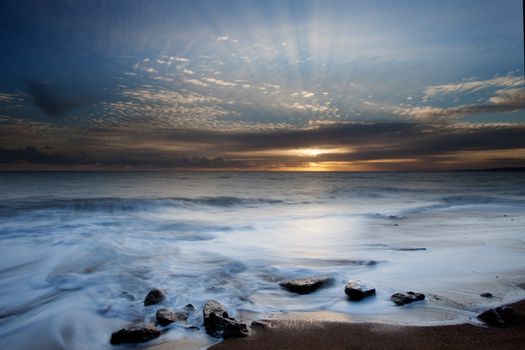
(113, 204)
(448, 202)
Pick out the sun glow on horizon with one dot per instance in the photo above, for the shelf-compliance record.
(311, 152)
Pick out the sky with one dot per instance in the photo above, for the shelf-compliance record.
(281, 85)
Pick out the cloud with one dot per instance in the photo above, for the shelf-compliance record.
(472, 86)
(223, 38)
(32, 155)
(195, 82)
(408, 138)
(378, 142)
(508, 100)
(219, 82)
(307, 94)
(52, 103)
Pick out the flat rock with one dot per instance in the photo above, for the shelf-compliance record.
(135, 333)
(406, 298)
(486, 295)
(305, 285)
(217, 322)
(165, 316)
(357, 291)
(154, 296)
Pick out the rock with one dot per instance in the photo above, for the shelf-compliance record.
(305, 285)
(188, 309)
(154, 296)
(165, 316)
(357, 291)
(502, 317)
(260, 324)
(135, 333)
(235, 329)
(217, 322)
(406, 298)
(487, 295)
(492, 318)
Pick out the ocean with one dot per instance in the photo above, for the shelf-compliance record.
(80, 250)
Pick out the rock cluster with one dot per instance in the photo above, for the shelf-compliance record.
(217, 322)
(406, 298)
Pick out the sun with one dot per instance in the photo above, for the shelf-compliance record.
(311, 152)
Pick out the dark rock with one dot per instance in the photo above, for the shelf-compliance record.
(154, 296)
(406, 298)
(165, 316)
(487, 295)
(305, 285)
(217, 322)
(135, 333)
(260, 324)
(357, 291)
(502, 317)
(189, 309)
(493, 318)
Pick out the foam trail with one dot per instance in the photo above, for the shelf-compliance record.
(78, 252)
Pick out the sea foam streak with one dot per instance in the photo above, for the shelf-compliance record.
(79, 251)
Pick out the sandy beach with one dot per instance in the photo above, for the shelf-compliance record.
(309, 334)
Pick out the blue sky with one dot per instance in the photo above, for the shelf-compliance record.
(158, 83)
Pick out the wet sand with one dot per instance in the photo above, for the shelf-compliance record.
(308, 334)
(339, 335)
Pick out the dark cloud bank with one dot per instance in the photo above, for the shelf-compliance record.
(365, 141)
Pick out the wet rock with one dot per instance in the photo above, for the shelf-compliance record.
(260, 324)
(165, 316)
(188, 309)
(217, 322)
(493, 318)
(406, 298)
(135, 333)
(502, 317)
(154, 296)
(305, 285)
(487, 295)
(357, 291)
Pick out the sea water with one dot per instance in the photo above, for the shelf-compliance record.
(80, 250)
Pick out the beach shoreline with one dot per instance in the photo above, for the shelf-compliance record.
(301, 334)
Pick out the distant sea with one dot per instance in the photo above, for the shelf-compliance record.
(79, 251)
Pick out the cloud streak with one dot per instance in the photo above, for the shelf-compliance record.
(476, 85)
